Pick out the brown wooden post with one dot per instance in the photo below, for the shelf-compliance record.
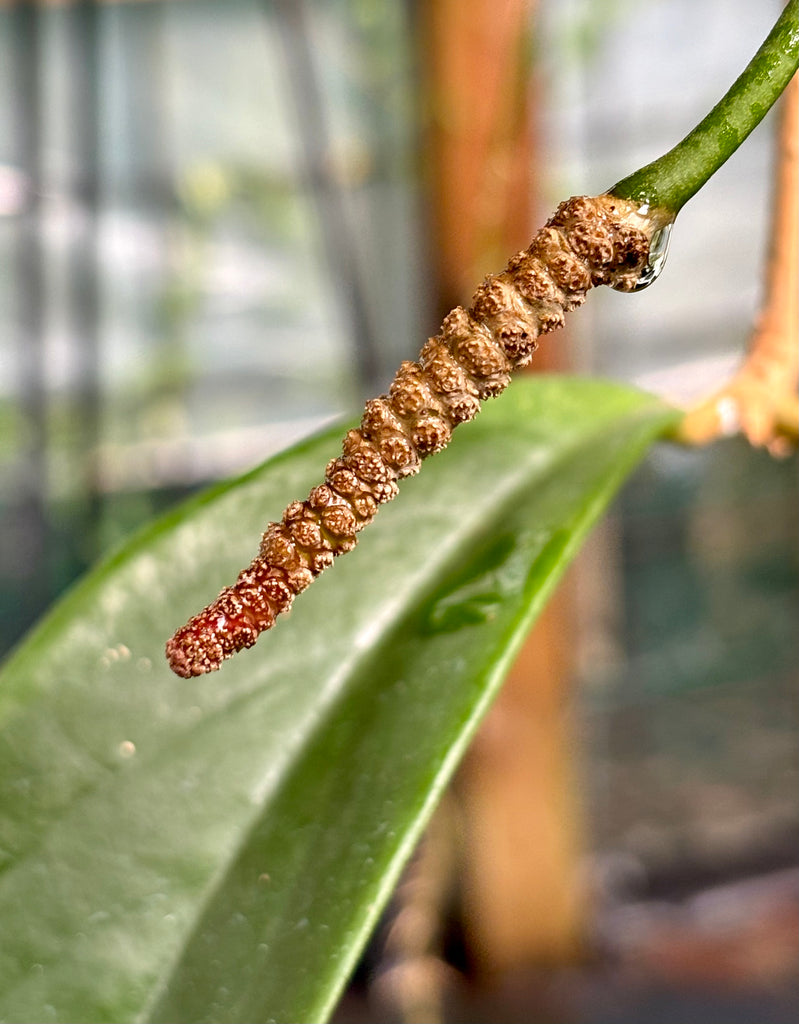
(521, 893)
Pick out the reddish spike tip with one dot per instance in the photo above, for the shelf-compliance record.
(231, 623)
(192, 652)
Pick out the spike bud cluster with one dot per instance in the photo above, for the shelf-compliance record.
(589, 241)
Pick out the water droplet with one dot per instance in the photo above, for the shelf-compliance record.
(658, 252)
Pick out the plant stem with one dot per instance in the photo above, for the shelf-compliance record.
(760, 399)
(671, 180)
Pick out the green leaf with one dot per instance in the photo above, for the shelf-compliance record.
(219, 849)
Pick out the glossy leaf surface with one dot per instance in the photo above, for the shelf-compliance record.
(218, 849)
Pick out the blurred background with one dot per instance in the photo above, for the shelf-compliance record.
(223, 223)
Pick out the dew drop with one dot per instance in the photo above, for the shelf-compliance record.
(658, 253)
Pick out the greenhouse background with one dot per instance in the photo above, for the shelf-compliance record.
(216, 237)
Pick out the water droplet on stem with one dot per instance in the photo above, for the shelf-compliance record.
(658, 253)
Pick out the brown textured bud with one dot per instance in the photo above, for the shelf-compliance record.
(378, 417)
(431, 435)
(277, 548)
(367, 463)
(457, 324)
(274, 583)
(293, 513)
(409, 392)
(299, 577)
(462, 407)
(446, 375)
(588, 241)
(592, 243)
(570, 273)
(399, 453)
(320, 497)
(481, 357)
(255, 599)
(533, 282)
(550, 317)
(517, 337)
(307, 534)
(365, 506)
(490, 298)
(339, 521)
(385, 491)
(341, 479)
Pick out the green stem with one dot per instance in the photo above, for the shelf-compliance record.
(671, 180)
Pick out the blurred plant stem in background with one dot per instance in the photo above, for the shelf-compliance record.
(761, 398)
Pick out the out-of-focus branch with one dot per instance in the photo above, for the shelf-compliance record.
(761, 399)
(413, 977)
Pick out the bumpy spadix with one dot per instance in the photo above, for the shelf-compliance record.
(589, 241)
